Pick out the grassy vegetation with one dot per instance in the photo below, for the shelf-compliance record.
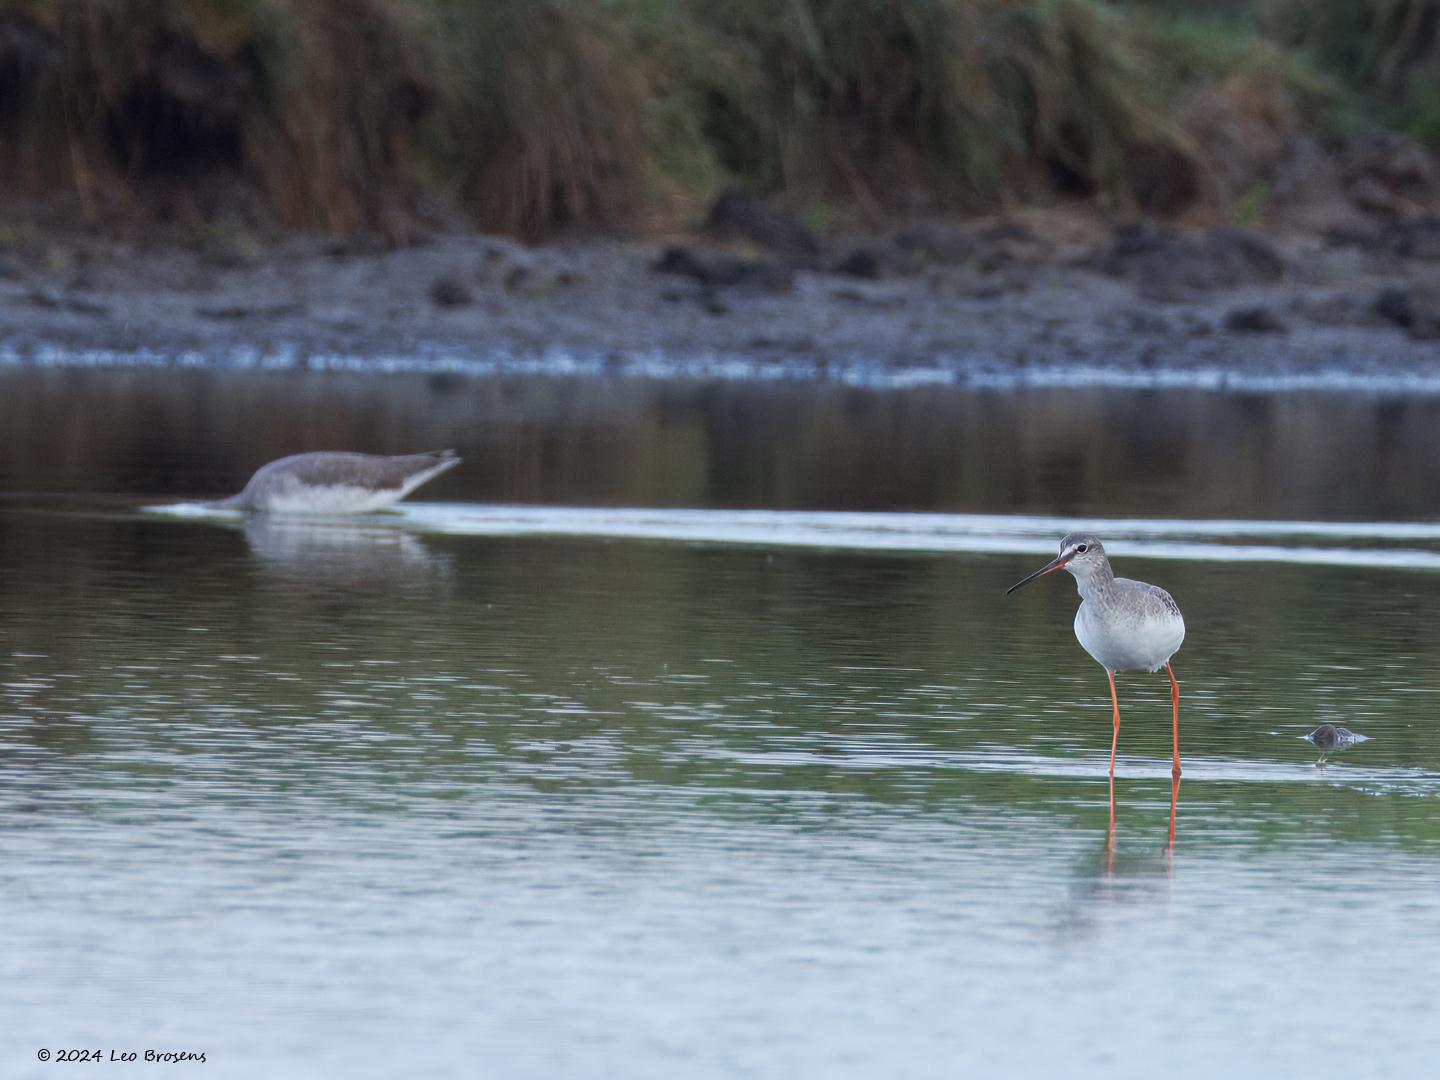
(1387, 51)
(533, 115)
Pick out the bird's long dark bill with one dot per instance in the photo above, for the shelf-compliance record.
(1049, 568)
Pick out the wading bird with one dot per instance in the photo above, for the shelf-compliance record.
(336, 483)
(1125, 625)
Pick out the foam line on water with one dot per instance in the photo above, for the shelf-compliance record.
(193, 510)
(863, 755)
(1158, 538)
(830, 522)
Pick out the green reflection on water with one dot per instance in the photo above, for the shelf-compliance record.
(535, 800)
(395, 667)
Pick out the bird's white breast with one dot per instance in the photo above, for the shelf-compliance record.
(1128, 641)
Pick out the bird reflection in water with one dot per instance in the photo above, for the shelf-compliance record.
(1170, 837)
(1108, 873)
(336, 552)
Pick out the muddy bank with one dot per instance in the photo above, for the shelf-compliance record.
(1029, 296)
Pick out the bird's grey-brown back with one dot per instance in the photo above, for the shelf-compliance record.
(1149, 600)
(334, 482)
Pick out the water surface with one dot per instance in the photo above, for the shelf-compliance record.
(566, 791)
(802, 446)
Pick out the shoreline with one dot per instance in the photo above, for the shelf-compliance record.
(1376, 379)
(1043, 299)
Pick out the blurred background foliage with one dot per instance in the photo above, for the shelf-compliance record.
(531, 116)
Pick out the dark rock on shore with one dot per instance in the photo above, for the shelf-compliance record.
(941, 243)
(1164, 264)
(1418, 238)
(721, 269)
(874, 259)
(927, 245)
(44, 298)
(451, 291)
(1132, 240)
(507, 263)
(1415, 307)
(1255, 320)
(739, 215)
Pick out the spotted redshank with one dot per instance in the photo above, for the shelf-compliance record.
(1125, 625)
(336, 483)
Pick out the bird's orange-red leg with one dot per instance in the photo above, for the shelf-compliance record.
(1115, 739)
(1175, 712)
(1114, 742)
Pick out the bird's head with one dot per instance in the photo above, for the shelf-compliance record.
(1080, 553)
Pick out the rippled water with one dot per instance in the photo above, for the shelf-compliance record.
(554, 791)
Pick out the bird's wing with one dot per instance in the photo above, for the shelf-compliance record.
(1157, 602)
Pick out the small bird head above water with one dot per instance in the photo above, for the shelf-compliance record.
(1080, 553)
(1332, 737)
